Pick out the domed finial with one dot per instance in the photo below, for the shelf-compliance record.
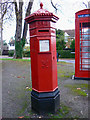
(41, 5)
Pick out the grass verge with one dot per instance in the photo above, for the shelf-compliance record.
(15, 59)
(78, 89)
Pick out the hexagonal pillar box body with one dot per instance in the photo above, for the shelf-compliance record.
(45, 96)
(82, 44)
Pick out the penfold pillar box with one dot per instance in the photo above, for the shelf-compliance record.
(45, 96)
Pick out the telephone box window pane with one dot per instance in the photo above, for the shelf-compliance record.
(85, 66)
(85, 43)
(85, 55)
(44, 46)
(86, 24)
(85, 49)
(85, 37)
(85, 61)
(86, 30)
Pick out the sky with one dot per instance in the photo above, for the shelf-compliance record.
(66, 13)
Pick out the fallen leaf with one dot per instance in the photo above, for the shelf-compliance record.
(21, 117)
(78, 88)
(40, 117)
(18, 76)
(27, 87)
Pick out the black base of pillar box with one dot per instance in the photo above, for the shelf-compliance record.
(45, 102)
(80, 78)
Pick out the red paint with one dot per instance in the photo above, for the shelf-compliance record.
(43, 63)
(82, 42)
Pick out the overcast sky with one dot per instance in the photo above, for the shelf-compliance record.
(66, 13)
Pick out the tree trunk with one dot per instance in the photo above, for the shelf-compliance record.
(28, 11)
(20, 42)
(18, 47)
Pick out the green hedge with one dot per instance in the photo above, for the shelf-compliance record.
(62, 54)
(11, 53)
(66, 54)
(73, 55)
(26, 53)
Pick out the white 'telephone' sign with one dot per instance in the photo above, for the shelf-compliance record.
(44, 45)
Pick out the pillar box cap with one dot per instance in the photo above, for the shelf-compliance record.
(41, 14)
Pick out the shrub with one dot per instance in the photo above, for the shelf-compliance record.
(72, 55)
(26, 48)
(26, 53)
(72, 46)
(11, 53)
(66, 54)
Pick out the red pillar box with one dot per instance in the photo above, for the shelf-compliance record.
(45, 96)
(82, 44)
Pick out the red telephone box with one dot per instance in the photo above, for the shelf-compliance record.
(45, 96)
(82, 44)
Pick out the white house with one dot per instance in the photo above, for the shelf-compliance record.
(12, 45)
(69, 35)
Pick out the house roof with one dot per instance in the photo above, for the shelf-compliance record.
(71, 33)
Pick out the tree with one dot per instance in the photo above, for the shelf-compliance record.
(6, 10)
(60, 44)
(72, 46)
(4, 42)
(19, 36)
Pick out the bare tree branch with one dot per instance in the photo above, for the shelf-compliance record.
(54, 6)
(4, 12)
(85, 4)
(6, 6)
(5, 2)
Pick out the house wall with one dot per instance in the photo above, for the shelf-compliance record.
(11, 47)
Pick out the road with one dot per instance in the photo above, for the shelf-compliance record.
(67, 60)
